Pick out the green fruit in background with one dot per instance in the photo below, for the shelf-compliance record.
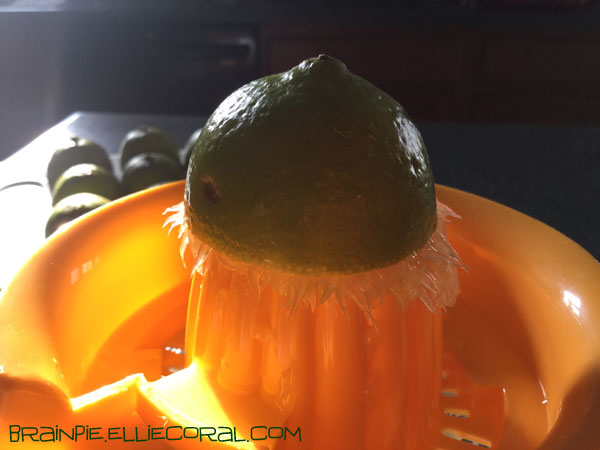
(147, 140)
(86, 178)
(71, 207)
(150, 169)
(77, 151)
(314, 170)
(189, 147)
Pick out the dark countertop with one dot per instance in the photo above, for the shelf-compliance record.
(551, 173)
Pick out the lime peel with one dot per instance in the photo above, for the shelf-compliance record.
(314, 170)
(428, 274)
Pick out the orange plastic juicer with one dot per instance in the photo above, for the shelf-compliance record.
(101, 348)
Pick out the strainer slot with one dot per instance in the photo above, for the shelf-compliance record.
(449, 392)
(467, 438)
(458, 413)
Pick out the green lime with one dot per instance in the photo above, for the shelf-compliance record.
(86, 178)
(150, 169)
(71, 207)
(189, 146)
(147, 140)
(314, 170)
(76, 151)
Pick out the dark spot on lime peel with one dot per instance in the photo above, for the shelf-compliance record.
(210, 191)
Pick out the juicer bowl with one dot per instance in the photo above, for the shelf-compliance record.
(106, 298)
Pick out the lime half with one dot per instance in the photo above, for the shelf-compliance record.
(77, 151)
(86, 178)
(150, 169)
(314, 170)
(147, 140)
(71, 207)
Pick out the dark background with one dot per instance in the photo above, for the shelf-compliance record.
(445, 61)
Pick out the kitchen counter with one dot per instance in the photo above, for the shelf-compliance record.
(547, 172)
